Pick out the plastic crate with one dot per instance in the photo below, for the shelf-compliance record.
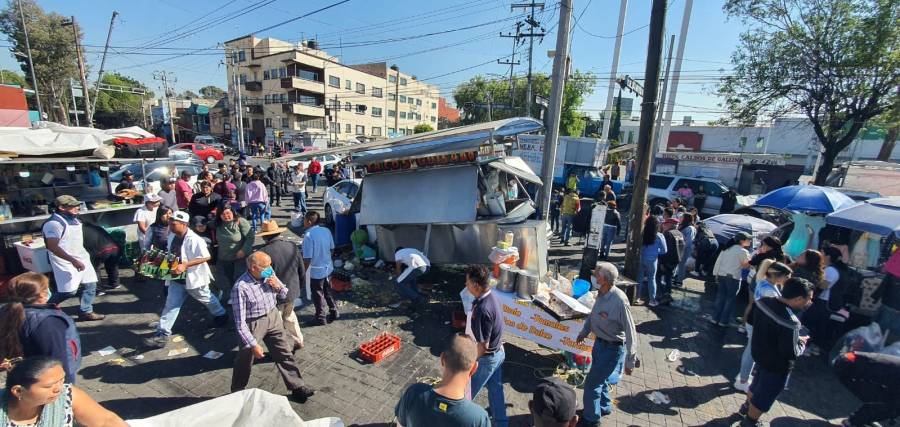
(338, 284)
(376, 349)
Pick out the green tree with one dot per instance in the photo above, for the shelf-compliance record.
(188, 94)
(889, 121)
(472, 97)
(615, 128)
(52, 49)
(13, 78)
(422, 128)
(211, 92)
(834, 61)
(117, 109)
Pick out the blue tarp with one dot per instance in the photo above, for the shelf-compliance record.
(806, 198)
(880, 216)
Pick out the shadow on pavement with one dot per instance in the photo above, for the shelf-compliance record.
(681, 397)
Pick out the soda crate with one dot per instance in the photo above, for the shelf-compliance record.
(376, 349)
(341, 282)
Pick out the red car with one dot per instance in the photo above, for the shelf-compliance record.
(203, 152)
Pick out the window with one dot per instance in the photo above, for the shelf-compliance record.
(402, 131)
(411, 100)
(713, 189)
(403, 98)
(660, 181)
(392, 113)
(334, 81)
(285, 122)
(402, 81)
(376, 131)
(361, 109)
(242, 56)
(308, 75)
(242, 78)
(392, 96)
(390, 131)
(403, 114)
(348, 84)
(268, 122)
(348, 106)
(307, 100)
(282, 72)
(376, 92)
(266, 99)
(392, 78)
(347, 128)
(376, 112)
(334, 127)
(434, 119)
(360, 88)
(418, 102)
(360, 130)
(266, 75)
(433, 105)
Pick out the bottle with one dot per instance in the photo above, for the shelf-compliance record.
(5, 210)
(164, 267)
(175, 263)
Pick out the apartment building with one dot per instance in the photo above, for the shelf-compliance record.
(297, 88)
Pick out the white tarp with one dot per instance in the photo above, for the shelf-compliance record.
(54, 138)
(253, 407)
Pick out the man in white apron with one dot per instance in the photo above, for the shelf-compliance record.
(194, 254)
(70, 261)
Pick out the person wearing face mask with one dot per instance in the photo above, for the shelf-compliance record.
(254, 299)
(38, 394)
(614, 342)
(29, 326)
(70, 261)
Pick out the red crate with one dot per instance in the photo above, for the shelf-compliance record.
(376, 349)
(459, 319)
(340, 285)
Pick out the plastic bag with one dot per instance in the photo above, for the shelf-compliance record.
(864, 338)
(297, 219)
(587, 299)
(893, 349)
(499, 256)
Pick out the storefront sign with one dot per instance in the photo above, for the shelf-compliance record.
(524, 319)
(726, 158)
(423, 162)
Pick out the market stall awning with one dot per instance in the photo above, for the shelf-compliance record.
(515, 166)
(429, 196)
(880, 216)
(436, 140)
(725, 226)
(54, 138)
(806, 198)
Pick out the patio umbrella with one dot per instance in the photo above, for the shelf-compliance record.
(806, 198)
(880, 216)
(725, 226)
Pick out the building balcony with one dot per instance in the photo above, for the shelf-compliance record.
(253, 86)
(255, 109)
(303, 84)
(302, 58)
(304, 109)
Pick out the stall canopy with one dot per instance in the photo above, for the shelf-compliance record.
(806, 198)
(880, 216)
(53, 138)
(515, 166)
(428, 196)
(725, 226)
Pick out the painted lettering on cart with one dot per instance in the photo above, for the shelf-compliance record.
(569, 342)
(511, 311)
(550, 323)
(538, 332)
(423, 162)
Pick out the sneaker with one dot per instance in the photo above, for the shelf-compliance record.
(157, 341)
(741, 386)
(89, 317)
(743, 409)
(749, 422)
(713, 321)
(301, 394)
(316, 322)
(332, 316)
(652, 303)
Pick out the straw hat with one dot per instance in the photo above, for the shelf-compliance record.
(270, 227)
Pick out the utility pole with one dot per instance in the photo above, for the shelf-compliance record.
(676, 73)
(231, 54)
(85, 95)
(551, 138)
(645, 138)
(34, 83)
(102, 64)
(74, 105)
(396, 99)
(512, 63)
(657, 146)
(531, 35)
(335, 129)
(165, 77)
(610, 91)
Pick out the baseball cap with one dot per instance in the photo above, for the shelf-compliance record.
(171, 180)
(181, 216)
(553, 400)
(152, 197)
(67, 200)
(127, 173)
(740, 235)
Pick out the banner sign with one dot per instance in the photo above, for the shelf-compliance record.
(524, 319)
(728, 158)
(423, 162)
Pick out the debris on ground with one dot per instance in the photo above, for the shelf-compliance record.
(177, 351)
(659, 398)
(432, 381)
(178, 338)
(673, 355)
(213, 355)
(117, 362)
(105, 351)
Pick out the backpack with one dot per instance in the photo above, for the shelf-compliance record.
(36, 315)
(847, 290)
(674, 247)
(704, 240)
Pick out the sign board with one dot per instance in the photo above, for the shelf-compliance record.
(571, 150)
(524, 319)
(727, 158)
(448, 159)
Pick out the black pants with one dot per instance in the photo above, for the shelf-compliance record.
(321, 294)
(110, 263)
(275, 195)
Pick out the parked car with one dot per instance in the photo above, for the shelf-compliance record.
(662, 190)
(202, 151)
(155, 172)
(339, 197)
(183, 155)
(204, 139)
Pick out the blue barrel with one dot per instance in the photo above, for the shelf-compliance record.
(344, 225)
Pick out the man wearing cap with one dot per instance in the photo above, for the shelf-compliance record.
(144, 216)
(256, 318)
(183, 190)
(127, 182)
(194, 255)
(286, 261)
(167, 194)
(614, 342)
(553, 404)
(445, 404)
(70, 261)
(205, 202)
(317, 248)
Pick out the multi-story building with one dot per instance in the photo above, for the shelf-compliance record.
(297, 89)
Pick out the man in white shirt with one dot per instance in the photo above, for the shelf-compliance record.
(317, 248)
(298, 180)
(144, 216)
(194, 255)
(416, 264)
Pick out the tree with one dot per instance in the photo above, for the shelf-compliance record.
(472, 97)
(211, 92)
(52, 49)
(13, 78)
(890, 121)
(422, 128)
(834, 61)
(117, 109)
(188, 94)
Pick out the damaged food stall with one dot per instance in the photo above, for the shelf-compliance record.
(454, 195)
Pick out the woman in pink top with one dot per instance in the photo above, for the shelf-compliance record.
(257, 198)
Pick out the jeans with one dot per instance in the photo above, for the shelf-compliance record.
(175, 298)
(554, 221)
(88, 293)
(605, 359)
(681, 271)
(727, 290)
(300, 201)
(747, 357)
(609, 235)
(647, 270)
(489, 373)
(258, 214)
(665, 274)
(314, 178)
(567, 228)
(409, 287)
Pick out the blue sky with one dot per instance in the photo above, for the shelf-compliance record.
(710, 40)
